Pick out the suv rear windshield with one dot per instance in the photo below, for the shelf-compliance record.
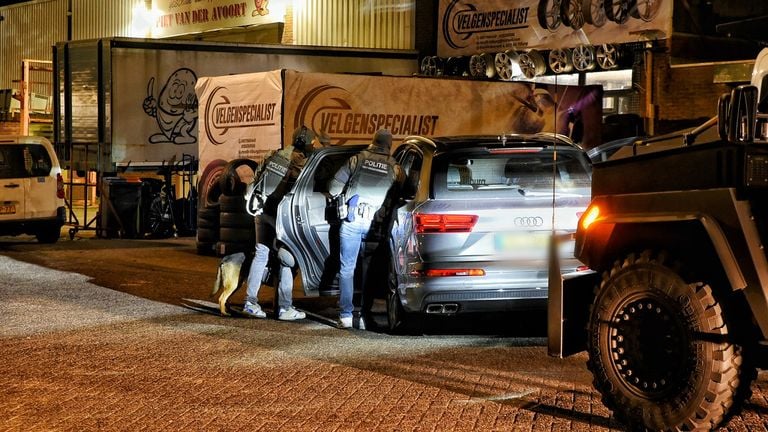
(24, 160)
(519, 173)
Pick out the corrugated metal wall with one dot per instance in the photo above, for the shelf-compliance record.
(350, 23)
(28, 31)
(93, 19)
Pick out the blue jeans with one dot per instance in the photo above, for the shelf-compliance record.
(284, 287)
(352, 236)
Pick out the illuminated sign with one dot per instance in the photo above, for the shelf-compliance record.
(177, 17)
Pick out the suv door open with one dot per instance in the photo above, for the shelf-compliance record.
(308, 227)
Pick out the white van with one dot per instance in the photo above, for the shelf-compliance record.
(31, 188)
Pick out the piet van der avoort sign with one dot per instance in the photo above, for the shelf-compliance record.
(178, 17)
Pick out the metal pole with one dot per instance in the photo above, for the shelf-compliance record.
(24, 98)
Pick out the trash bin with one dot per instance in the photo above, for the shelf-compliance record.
(121, 208)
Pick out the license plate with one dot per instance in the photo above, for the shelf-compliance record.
(517, 242)
(7, 209)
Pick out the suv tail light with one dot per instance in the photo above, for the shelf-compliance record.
(454, 272)
(444, 223)
(59, 186)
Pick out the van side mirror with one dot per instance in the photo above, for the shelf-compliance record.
(742, 109)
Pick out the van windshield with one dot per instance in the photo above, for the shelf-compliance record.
(483, 175)
(24, 160)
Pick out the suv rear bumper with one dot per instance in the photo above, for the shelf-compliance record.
(497, 291)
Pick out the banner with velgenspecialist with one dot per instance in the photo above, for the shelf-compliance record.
(240, 116)
(468, 27)
(351, 108)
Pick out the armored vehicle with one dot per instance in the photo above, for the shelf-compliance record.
(674, 309)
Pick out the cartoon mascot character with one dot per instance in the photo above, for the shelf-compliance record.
(175, 108)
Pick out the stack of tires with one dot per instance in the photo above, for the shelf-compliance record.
(223, 225)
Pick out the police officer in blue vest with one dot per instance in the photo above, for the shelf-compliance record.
(365, 182)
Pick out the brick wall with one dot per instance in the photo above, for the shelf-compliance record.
(686, 92)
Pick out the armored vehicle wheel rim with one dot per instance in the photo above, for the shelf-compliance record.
(549, 14)
(607, 56)
(646, 10)
(644, 341)
(572, 14)
(560, 61)
(594, 12)
(584, 58)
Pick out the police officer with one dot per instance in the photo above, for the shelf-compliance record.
(273, 180)
(365, 182)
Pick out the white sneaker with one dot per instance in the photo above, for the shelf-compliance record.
(253, 310)
(291, 314)
(345, 322)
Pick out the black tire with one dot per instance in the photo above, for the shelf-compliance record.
(208, 217)
(237, 235)
(397, 318)
(49, 233)
(208, 186)
(207, 235)
(205, 248)
(235, 220)
(229, 181)
(646, 352)
(232, 204)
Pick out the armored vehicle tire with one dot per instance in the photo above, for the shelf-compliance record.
(646, 353)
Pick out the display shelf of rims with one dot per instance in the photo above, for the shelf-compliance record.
(552, 14)
(512, 65)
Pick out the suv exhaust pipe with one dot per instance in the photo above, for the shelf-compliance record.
(442, 308)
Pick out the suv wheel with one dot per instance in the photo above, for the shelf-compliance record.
(397, 317)
(660, 349)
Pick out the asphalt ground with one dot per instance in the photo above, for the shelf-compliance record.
(103, 335)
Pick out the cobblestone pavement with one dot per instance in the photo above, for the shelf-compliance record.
(121, 335)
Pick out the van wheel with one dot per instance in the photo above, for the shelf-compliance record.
(660, 349)
(49, 233)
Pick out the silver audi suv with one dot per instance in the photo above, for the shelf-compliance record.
(471, 232)
(474, 235)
